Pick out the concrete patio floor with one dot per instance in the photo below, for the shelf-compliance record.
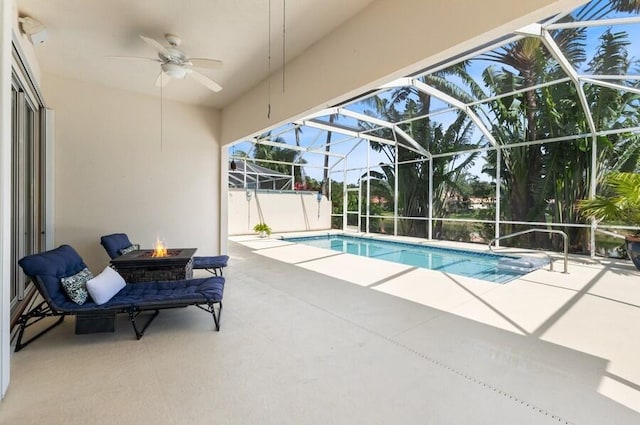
(316, 337)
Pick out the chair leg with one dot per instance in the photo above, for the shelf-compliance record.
(216, 319)
(132, 318)
(41, 311)
(20, 345)
(216, 271)
(212, 309)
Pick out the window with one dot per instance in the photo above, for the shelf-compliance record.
(27, 148)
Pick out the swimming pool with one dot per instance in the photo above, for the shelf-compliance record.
(485, 266)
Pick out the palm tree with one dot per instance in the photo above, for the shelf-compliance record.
(569, 164)
(626, 5)
(534, 175)
(413, 178)
(620, 203)
(524, 166)
(274, 153)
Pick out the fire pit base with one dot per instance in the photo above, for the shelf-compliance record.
(149, 274)
(139, 266)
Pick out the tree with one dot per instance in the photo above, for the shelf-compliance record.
(274, 153)
(620, 202)
(413, 176)
(544, 181)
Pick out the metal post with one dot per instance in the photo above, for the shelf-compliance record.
(592, 194)
(359, 206)
(395, 194)
(329, 198)
(244, 173)
(368, 228)
(498, 184)
(344, 196)
(430, 222)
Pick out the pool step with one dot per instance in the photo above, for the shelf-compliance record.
(521, 265)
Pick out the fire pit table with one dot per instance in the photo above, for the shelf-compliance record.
(142, 266)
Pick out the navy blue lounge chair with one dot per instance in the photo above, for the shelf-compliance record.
(213, 264)
(116, 243)
(48, 268)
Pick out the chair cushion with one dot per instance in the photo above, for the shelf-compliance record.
(166, 293)
(51, 266)
(217, 261)
(104, 286)
(114, 243)
(76, 286)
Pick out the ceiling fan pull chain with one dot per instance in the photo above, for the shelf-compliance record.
(269, 66)
(284, 30)
(161, 77)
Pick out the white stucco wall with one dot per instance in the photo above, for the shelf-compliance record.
(114, 174)
(283, 212)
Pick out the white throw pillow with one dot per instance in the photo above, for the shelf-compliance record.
(104, 286)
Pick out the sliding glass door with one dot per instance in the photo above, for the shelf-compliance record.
(27, 215)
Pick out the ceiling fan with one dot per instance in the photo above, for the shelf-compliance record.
(175, 64)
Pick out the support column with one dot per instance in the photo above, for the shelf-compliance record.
(6, 18)
(395, 193)
(498, 178)
(430, 221)
(345, 197)
(368, 228)
(592, 193)
(223, 231)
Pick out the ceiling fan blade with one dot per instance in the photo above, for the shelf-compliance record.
(205, 81)
(205, 63)
(139, 58)
(162, 80)
(151, 42)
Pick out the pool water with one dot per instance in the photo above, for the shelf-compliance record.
(484, 266)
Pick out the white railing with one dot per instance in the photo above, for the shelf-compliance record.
(524, 232)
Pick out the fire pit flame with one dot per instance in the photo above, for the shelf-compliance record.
(159, 249)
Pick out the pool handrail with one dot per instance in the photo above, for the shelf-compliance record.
(523, 232)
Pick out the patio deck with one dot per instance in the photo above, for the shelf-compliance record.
(312, 337)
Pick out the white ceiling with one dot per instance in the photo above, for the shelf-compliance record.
(82, 34)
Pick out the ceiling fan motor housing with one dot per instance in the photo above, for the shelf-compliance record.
(173, 55)
(174, 70)
(173, 39)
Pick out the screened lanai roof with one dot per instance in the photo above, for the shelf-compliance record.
(584, 62)
(250, 175)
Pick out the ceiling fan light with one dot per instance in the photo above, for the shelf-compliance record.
(173, 70)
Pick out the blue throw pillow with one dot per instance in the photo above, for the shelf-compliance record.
(76, 286)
